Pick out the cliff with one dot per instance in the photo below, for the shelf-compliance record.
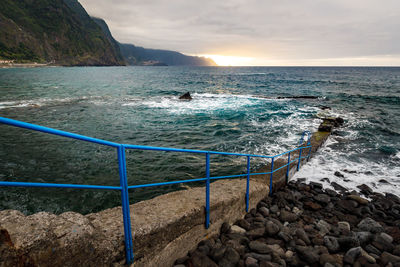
(135, 55)
(53, 31)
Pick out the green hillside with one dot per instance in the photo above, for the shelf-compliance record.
(53, 31)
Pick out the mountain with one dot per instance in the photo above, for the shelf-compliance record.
(135, 55)
(61, 32)
(58, 31)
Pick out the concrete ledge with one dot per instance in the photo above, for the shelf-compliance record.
(164, 228)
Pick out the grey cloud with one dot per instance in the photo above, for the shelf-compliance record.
(285, 29)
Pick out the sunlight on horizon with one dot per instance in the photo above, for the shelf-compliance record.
(230, 60)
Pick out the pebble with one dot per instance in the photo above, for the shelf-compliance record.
(306, 225)
(237, 230)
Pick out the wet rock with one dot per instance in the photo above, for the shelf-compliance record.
(358, 199)
(351, 255)
(271, 228)
(237, 230)
(338, 187)
(264, 211)
(323, 227)
(259, 247)
(322, 198)
(260, 257)
(218, 253)
(344, 227)
(232, 256)
(365, 189)
(312, 205)
(244, 224)
(370, 225)
(332, 244)
(348, 205)
(198, 259)
(255, 233)
(277, 250)
(287, 216)
(338, 174)
(303, 236)
(363, 237)
(225, 228)
(371, 249)
(186, 96)
(251, 262)
(308, 254)
(274, 209)
(383, 181)
(387, 257)
(383, 242)
(347, 242)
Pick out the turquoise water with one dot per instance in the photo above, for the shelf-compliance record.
(233, 109)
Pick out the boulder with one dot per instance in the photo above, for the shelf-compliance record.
(186, 96)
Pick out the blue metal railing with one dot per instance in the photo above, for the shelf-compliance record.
(124, 187)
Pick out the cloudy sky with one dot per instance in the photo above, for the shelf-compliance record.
(261, 32)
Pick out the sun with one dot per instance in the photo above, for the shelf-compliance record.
(230, 60)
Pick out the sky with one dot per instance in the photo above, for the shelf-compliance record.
(261, 32)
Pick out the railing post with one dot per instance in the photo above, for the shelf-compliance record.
(309, 154)
(207, 190)
(125, 205)
(270, 179)
(248, 184)
(288, 168)
(298, 164)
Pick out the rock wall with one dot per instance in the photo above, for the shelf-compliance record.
(164, 228)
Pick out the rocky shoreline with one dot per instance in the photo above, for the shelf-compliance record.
(307, 225)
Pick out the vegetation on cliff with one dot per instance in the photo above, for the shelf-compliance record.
(53, 31)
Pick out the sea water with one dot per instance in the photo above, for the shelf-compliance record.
(234, 109)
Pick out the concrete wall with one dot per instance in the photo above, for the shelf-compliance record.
(164, 228)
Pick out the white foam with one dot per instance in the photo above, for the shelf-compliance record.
(327, 161)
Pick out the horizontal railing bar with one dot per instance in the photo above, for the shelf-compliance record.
(240, 154)
(298, 148)
(280, 168)
(166, 183)
(226, 177)
(167, 149)
(56, 132)
(78, 186)
(260, 173)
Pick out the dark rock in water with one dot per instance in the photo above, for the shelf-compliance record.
(383, 181)
(365, 189)
(325, 108)
(325, 127)
(338, 187)
(339, 174)
(339, 120)
(186, 96)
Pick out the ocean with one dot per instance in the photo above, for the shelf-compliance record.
(234, 109)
